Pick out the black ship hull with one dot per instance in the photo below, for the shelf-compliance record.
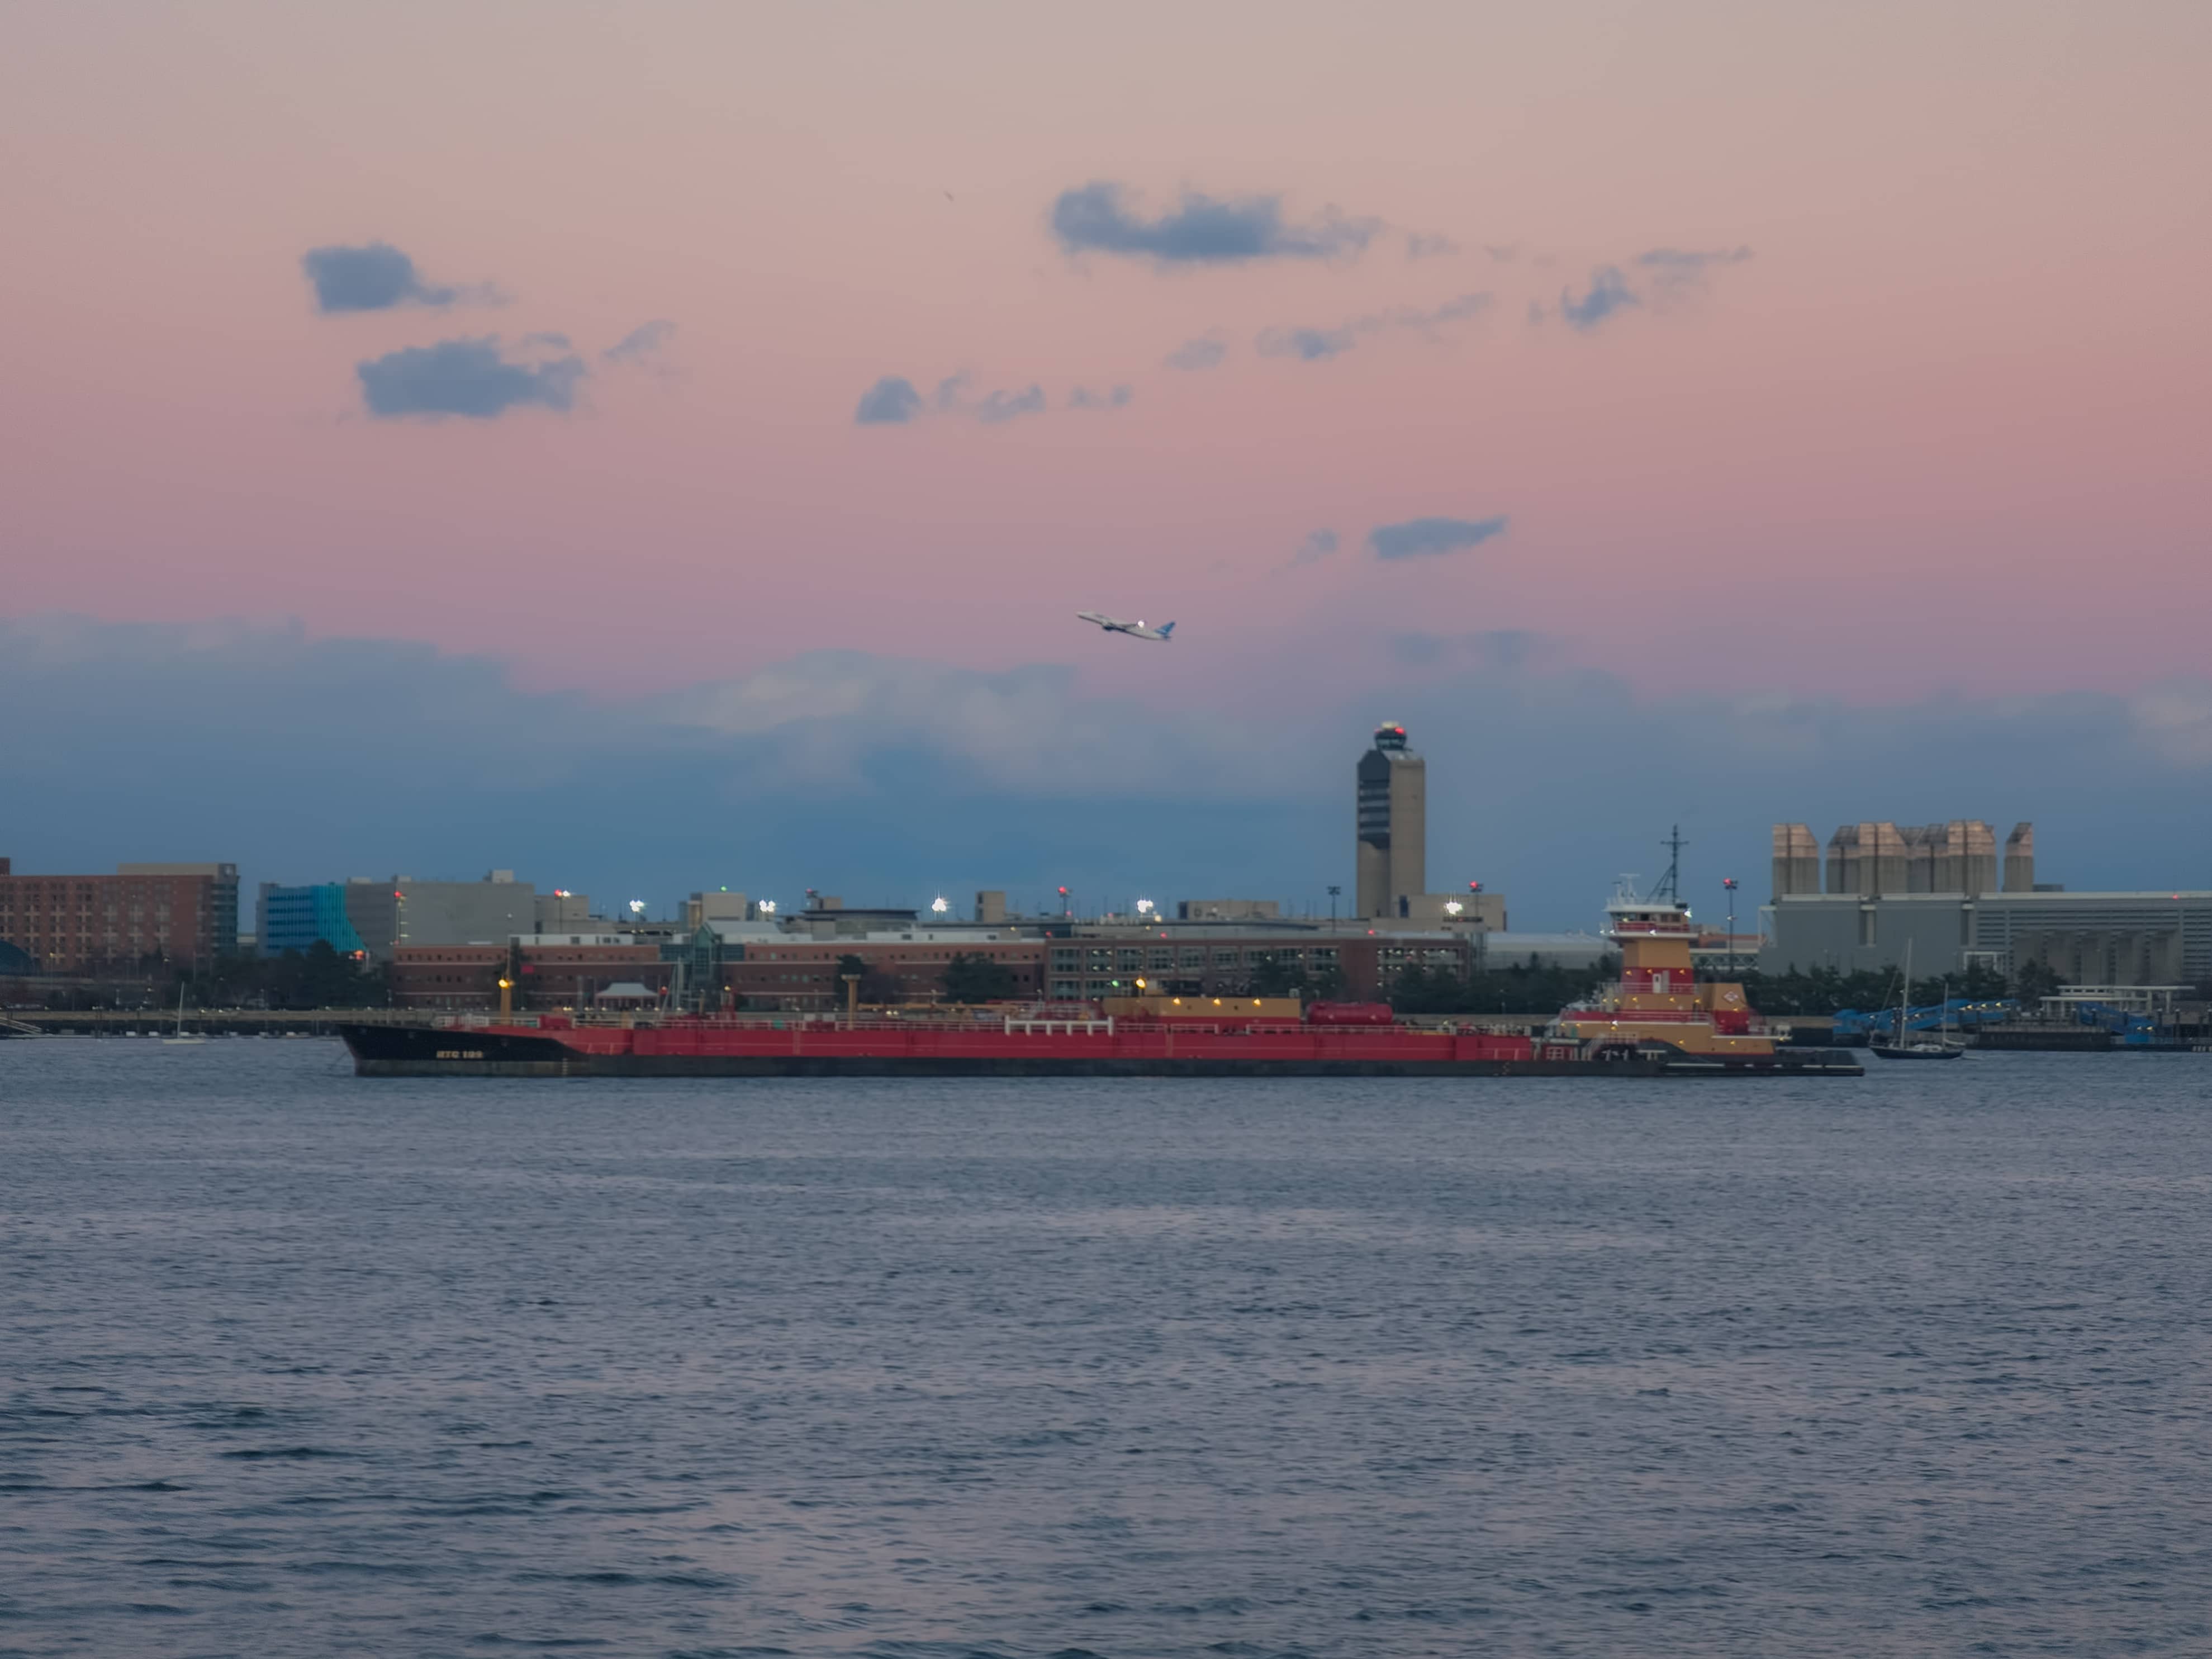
(417, 1051)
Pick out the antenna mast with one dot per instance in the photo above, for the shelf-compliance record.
(1670, 884)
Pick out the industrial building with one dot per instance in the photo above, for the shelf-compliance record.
(2087, 938)
(2108, 940)
(403, 911)
(171, 913)
(1227, 910)
(1872, 859)
(1576, 951)
(1951, 893)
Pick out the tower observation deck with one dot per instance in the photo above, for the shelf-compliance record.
(1391, 846)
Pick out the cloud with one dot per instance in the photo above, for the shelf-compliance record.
(1027, 728)
(891, 401)
(913, 773)
(375, 276)
(1313, 345)
(1675, 269)
(469, 377)
(642, 343)
(1318, 544)
(1002, 406)
(1204, 352)
(1498, 647)
(1673, 272)
(1452, 311)
(1419, 538)
(1095, 218)
(1420, 246)
(2174, 720)
(1608, 291)
(851, 772)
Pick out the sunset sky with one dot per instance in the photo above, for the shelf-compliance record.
(1606, 382)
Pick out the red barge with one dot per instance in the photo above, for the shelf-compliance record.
(1040, 1045)
(1656, 1022)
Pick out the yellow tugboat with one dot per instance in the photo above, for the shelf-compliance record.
(1658, 998)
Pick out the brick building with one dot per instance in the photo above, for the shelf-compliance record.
(1194, 962)
(546, 976)
(185, 914)
(801, 973)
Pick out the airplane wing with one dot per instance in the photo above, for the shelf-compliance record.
(1138, 630)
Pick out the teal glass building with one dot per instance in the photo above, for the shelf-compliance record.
(294, 918)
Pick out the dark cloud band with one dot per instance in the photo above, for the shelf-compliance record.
(470, 377)
(1095, 218)
(375, 276)
(891, 401)
(1420, 537)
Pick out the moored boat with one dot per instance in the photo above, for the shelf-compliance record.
(1901, 1045)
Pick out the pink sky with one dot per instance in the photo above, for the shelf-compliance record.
(1947, 427)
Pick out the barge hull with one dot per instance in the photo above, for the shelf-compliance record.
(399, 1051)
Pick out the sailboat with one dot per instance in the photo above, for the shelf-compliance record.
(181, 1037)
(1904, 1046)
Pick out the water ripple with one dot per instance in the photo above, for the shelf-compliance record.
(298, 1363)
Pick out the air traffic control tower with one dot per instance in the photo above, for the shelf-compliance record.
(1392, 850)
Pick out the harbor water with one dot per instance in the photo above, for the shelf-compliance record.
(297, 1363)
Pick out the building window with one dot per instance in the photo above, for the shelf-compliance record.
(1225, 958)
(1066, 990)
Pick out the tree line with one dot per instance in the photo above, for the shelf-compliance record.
(320, 977)
(317, 977)
(1530, 989)
(1815, 991)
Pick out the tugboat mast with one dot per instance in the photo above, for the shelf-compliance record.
(1670, 884)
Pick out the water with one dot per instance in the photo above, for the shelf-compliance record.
(296, 1363)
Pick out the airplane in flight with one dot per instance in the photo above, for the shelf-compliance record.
(1134, 630)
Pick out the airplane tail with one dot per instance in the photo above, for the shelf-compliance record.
(1166, 628)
